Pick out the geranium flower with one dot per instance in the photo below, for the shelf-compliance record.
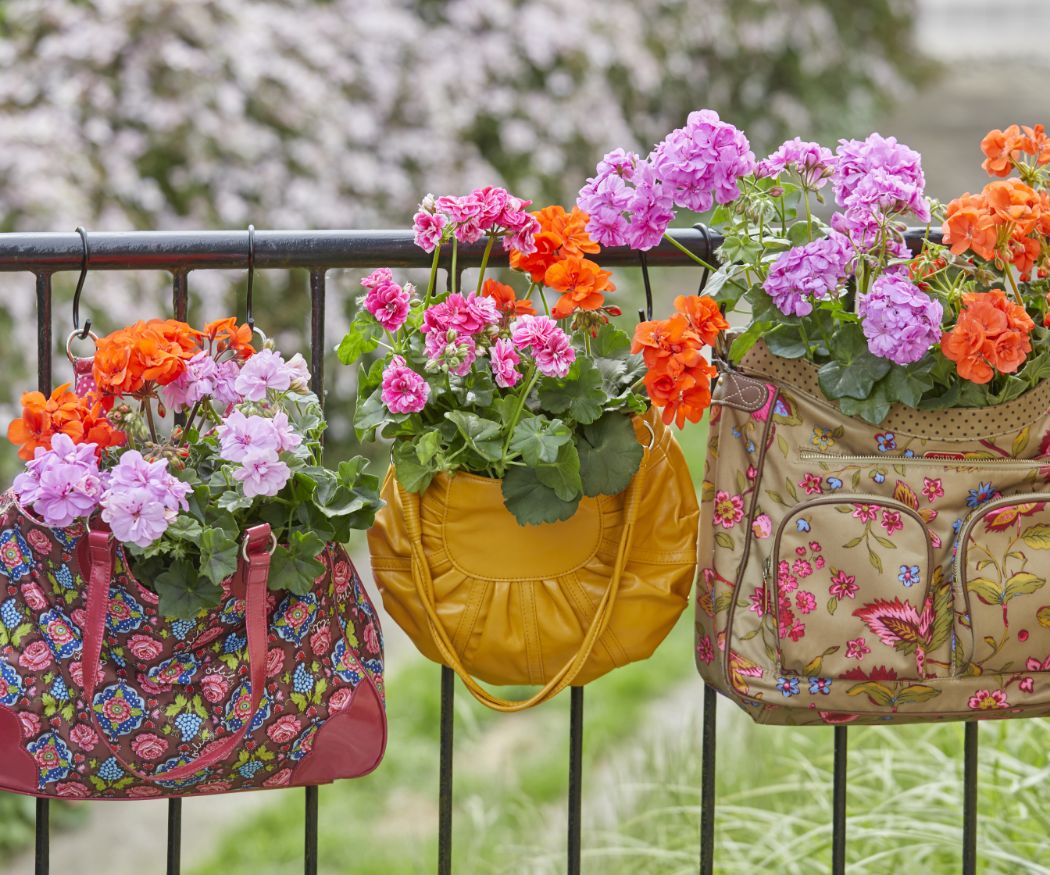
(506, 300)
(79, 418)
(561, 235)
(156, 351)
(581, 282)
(403, 390)
(262, 473)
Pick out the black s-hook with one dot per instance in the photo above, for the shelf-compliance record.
(647, 313)
(708, 254)
(81, 334)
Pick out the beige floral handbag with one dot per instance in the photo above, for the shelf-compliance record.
(854, 573)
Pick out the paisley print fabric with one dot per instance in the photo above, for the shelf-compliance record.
(851, 573)
(166, 691)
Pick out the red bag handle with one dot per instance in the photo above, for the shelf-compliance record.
(254, 571)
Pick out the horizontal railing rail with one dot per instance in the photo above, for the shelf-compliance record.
(182, 252)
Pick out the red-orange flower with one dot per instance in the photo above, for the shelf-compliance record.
(146, 352)
(227, 334)
(704, 315)
(561, 235)
(581, 283)
(991, 334)
(668, 346)
(969, 224)
(683, 398)
(81, 419)
(1003, 149)
(506, 300)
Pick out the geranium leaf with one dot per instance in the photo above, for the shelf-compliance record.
(362, 337)
(609, 454)
(531, 501)
(563, 475)
(411, 473)
(580, 394)
(218, 555)
(183, 593)
(482, 435)
(538, 439)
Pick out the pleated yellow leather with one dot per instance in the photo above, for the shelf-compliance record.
(549, 605)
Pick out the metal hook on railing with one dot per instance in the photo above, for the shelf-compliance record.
(81, 334)
(647, 313)
(702, 228)
(251, 277)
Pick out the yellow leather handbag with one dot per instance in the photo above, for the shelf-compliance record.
(550, 605)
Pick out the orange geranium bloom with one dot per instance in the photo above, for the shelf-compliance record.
(506, 300)
(683, 398)
(81, 419)
(146, 352)
(581, 283)
(1003, 149)
(990, 335)
(561, 235)
(668, 346)
(1013, 203)
(704, 315)
(969, 224)
(227, 334)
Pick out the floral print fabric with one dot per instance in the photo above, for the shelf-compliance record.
(167, 691)
(851, 573)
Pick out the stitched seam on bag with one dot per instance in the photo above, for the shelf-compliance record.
(530, 621)
(469, 616)
(734, 385)
(581, 602)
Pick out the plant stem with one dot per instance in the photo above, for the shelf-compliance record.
(809, 214)
(543, 300)
(1009, 271)
(485, 261)
(433, 276)
(454, 278)
(692, 255)
(530, 380)
(147, 408)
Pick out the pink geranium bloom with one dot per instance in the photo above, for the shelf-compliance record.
(239, 435)
(262, 473)
(403, 390)
(504, 359)
(263, 371)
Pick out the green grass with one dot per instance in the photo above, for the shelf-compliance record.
(774, 802)
(510, 778)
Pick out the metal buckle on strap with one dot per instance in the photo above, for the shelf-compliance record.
(244, 545)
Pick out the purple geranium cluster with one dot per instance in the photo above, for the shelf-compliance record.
(141, 499)
(874, 179)
(61, 484)
(812, 163)
(816, 271)
(488, 210)
(900, 321)
(255, 444)
(204, 377)
(631, 202)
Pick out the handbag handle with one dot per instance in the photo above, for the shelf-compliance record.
(255, 572)
(568, 673)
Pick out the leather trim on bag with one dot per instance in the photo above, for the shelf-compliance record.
(763, 446)
(740, 392)
(18, 769)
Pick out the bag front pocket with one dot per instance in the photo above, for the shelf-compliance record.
(1001, 566)
(851, 576)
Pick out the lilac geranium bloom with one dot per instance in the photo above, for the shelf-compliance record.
(262, 473)
(135, 472)
(196, 382)
(807, 273)
(900, 321)
(61, 484)
(287, 437)
(878, 176)
(239, 435)
(812, 162)
(264, 370)
(135, 516)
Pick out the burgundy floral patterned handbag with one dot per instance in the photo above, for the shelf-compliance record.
(101, 697)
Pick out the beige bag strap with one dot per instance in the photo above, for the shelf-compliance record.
(567, 674)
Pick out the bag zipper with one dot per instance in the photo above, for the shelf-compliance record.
(946, 460)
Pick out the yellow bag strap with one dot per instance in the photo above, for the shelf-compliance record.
(567, 674)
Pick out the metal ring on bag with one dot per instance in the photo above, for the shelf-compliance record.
(652, 434)
(69, 342)
(273, 546)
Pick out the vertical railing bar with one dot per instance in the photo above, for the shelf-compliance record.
(43, 338)
(180, 295)
(838, 804)
(43, 837)
(317, 302)
(575, 779)
(42, 850)
(707, 782)
(310, 856)
(969, 854)
(174, 836)
(448, 694)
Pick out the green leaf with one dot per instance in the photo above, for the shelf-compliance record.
(233, 500)
(580, 394)
(873, 409)
(531, 501)
(563, 475)
(786, 342)
(743, 342)
(371, 412)
(907, 385)
(1037, 537)
(538, 439)
(183, 593)
(609, 454)
(853, 378)
(1022, 583)
(184, 527)
(294, 567)
(611, 343)
(988, 591)
(363, 337)
(218, 555)
(482, 435)
(411, 473)
(427, 446)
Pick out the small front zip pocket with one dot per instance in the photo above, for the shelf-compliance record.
(940, 460)
(1001, 567)
(849, 590)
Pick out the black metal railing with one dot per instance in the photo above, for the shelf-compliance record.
(181, 253)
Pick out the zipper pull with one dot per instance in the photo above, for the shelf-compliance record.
(766, 587)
